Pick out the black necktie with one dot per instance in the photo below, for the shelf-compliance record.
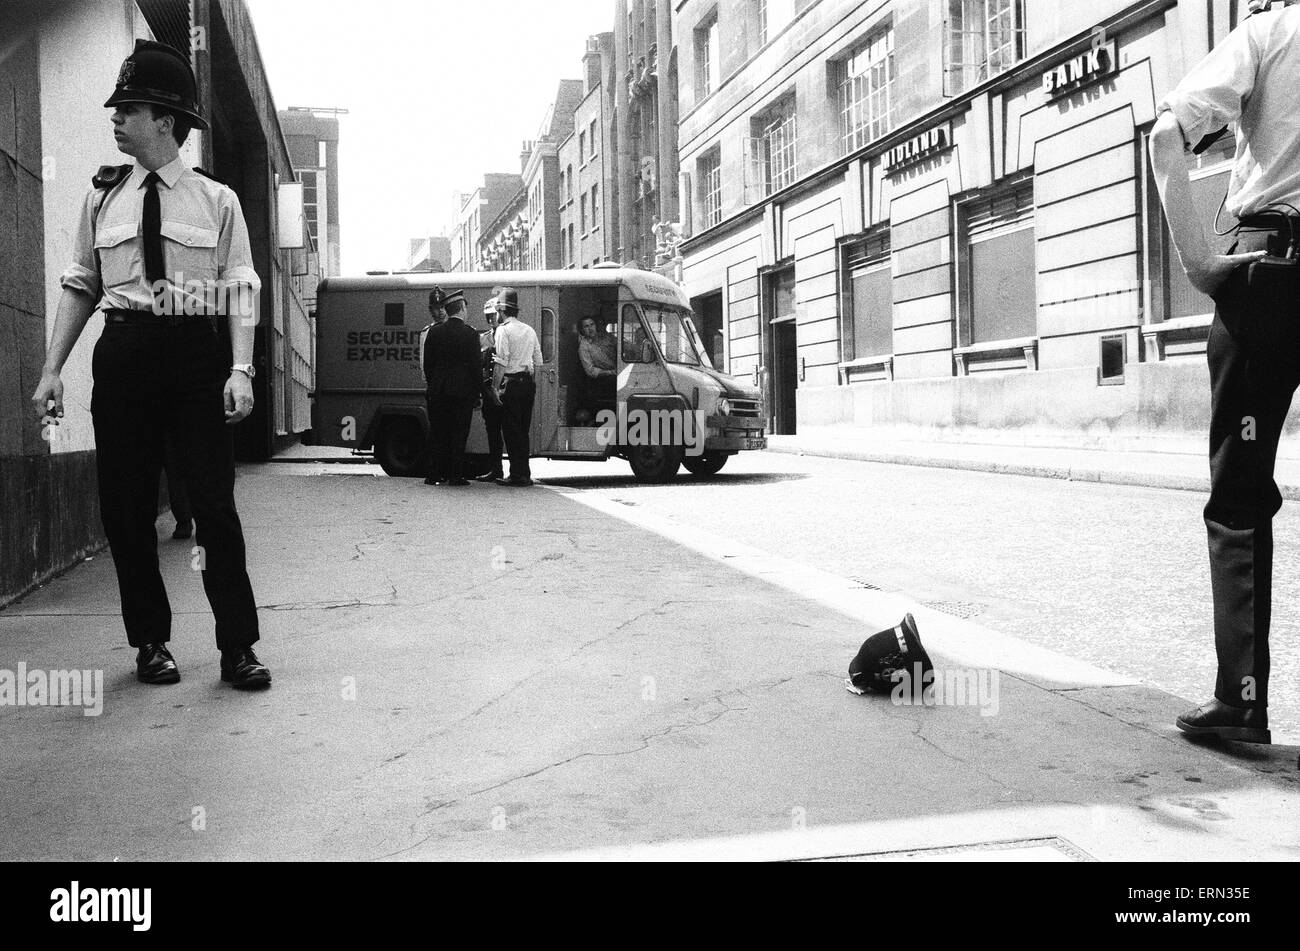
(154, 268)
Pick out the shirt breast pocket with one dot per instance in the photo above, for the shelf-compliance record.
(191, 252)
(119, 256)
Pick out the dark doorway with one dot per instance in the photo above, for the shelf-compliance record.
(785, 377)
(708, 321)
(781, 352)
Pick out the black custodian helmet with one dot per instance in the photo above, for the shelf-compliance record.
(159, 74)
(893, 655)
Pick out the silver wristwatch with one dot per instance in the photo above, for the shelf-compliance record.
(245, 368)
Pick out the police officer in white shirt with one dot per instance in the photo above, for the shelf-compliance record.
(162, 250)
(518, 357)
(1250, 79)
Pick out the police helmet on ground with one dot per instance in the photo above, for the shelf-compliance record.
(890, 658)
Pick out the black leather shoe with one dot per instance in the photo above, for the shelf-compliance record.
(154, 665)
(521, 483)
(1218, 719)
(432, 481)
(241, 668)
(490, 477)
(458, 482)
(183, 529)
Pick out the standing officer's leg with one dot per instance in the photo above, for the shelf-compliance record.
(128, 449)
(528, 393)
(460, 418)
(511, 429)
(1251, 391)
(496, 440)
(197, 372)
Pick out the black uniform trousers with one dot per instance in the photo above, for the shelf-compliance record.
(154, 383)
(1254, 357)
(517, 421)
(492, 416)
(449, 422)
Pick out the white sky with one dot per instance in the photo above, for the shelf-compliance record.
(438, 92)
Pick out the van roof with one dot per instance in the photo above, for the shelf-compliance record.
(642, 284)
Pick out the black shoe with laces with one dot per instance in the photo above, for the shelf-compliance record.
(154, 665)
(240, 668)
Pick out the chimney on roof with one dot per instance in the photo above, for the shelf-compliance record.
(591, 65)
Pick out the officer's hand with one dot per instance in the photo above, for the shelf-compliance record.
(49, 390)
(1208, 276)
(239, 398)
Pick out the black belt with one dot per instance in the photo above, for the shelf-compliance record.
(147, 318)
(515, 376)
(1270, 220)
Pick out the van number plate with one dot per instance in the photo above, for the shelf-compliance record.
(754, 443)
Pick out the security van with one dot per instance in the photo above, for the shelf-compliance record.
(666, 407)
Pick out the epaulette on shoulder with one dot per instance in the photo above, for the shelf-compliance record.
(110, 176)
(209, 175)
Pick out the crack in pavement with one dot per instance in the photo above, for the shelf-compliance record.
(644, 742)
(488, 704)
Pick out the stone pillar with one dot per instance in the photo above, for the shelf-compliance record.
(667, 118)
(622, 157)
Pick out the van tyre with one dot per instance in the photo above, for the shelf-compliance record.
(655, 463)
(707, 464)
(400, 447)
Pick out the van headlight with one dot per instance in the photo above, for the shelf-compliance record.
(724, 407)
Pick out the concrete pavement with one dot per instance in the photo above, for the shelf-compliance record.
(1170, 464)
(491, 673)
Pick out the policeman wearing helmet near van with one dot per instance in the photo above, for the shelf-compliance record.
(1254, 344)
(491, 399)
(149, 235)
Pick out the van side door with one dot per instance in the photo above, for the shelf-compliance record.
(546, 408)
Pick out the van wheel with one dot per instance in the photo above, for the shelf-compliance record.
(655, 463)
(400, 447)
(708, 464)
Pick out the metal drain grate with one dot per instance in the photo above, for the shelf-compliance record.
(961, 609)
(867, 584)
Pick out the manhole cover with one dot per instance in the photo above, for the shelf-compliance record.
(1050, 849)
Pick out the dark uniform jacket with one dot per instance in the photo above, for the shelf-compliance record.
(452, 362)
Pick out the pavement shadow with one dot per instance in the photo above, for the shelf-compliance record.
(628, 480)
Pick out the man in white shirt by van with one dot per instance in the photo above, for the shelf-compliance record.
(518, 357)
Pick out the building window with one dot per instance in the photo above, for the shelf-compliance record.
(866, 85)
(869, 309)
(568, 185)
(310, 203)
(592, 138)
(582, 146)
(773, 153)
(707, 55)
(582, 214)
(997, 276)
(773, 15)
(984, 38)
(710, 177)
